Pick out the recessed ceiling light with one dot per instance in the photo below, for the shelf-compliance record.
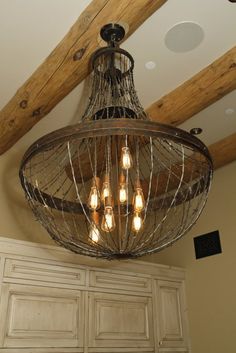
(229, 111)
(184, 36)
(150, 65)
(196, 131)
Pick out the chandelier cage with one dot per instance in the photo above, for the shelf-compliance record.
(116, 185)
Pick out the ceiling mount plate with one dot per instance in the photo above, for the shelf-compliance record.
(112, 32)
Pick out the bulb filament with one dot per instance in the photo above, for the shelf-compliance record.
(108, 220)
(94, 233)
(123, 193)
(126, 159)
(138, 202)
(106, 192)
(137, 222)
(94, 199)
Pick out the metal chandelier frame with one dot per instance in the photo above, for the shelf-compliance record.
(116, 185)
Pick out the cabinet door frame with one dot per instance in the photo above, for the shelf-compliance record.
(12, 294)
(106, 340)
(166, 340)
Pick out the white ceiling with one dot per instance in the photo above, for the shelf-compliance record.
(30, 29)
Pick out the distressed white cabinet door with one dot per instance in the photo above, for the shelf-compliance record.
(120, 321)
(40, 317)
(45, 274)
(171, 313)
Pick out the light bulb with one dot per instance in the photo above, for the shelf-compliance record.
(123, 193)
(137, 222)
(94, 233)
(108, 220)
(126, 159)
(94, 199)
(138, 202)
(106, 192)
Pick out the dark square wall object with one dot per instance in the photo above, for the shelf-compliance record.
(207, 244)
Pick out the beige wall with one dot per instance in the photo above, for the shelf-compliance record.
(211, 281)
(17, 220)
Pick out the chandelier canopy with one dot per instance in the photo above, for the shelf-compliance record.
(116, 185)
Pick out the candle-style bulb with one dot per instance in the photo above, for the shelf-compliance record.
(138, 202)
(94, 197)
(123, 189)
(108, 220)
(106, 192)
(123, 193)
(106, 188)
(136, 222)
(94, 233)
(126, 158)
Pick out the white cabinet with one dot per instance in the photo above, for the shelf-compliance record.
(171, 313)
(52, 301)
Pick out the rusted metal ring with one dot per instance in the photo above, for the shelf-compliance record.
(116, 127)
(110, 51)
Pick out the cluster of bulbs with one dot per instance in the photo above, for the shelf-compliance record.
(105, 196)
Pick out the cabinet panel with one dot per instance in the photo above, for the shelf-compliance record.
(112, 280)
(51, 273)
(171, 313)
(120, 321)
(41, 317)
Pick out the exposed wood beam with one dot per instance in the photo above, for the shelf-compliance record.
(59, 73)
(203, 89)
(224, 151)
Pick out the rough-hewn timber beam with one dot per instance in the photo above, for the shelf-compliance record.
(223, 151)
(60, 73)
(203, 89)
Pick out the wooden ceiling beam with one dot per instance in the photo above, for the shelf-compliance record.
(223, 152)
(203, 89)
(60, 73)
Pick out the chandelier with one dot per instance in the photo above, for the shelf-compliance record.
(116, 185)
